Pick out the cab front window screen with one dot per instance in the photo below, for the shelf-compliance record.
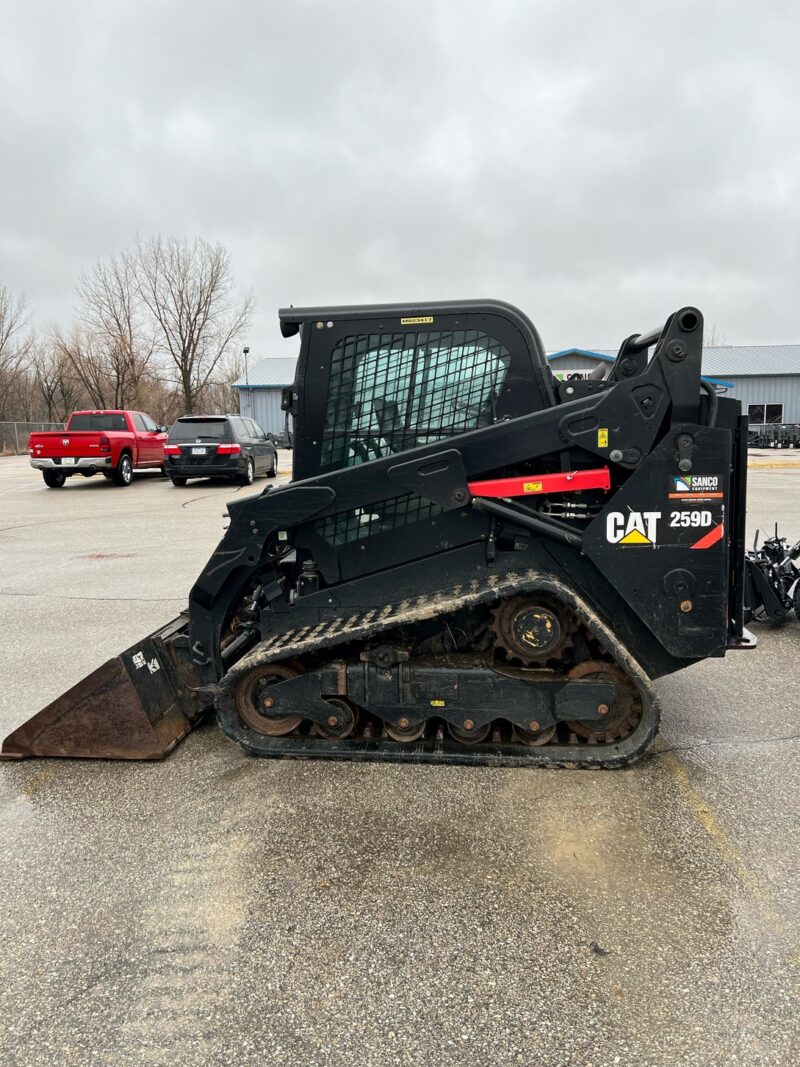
(392, 392)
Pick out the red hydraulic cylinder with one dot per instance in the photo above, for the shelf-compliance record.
(535, 484)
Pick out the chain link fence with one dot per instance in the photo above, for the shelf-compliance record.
(14, 435)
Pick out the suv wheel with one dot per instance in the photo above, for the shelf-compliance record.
(273, 469)
(176, 480)
(249, 475)
(123, 472)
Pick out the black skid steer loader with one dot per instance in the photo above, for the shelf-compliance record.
(473, 563)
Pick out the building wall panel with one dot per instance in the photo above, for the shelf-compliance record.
(263, 405)
(768, 389)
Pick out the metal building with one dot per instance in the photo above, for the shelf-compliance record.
(765, 378)
(260, 392)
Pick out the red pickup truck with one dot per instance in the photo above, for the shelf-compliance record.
(113, 443)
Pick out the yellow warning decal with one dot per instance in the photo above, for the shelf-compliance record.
(602, 438)
(418, 321)
(437, 703)
(635, 538)
(532, 487)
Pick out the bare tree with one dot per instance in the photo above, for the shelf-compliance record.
(16, 345)
(87, 358)
(713, 338)
(190, 292)
(56, 383)
(219, 394)
(117, 338)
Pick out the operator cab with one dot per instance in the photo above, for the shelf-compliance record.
(374, 381)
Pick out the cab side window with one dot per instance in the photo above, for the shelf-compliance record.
(392, 392)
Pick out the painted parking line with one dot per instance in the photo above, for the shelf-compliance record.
(703, 814)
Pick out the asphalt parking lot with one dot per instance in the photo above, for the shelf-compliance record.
(216, 909)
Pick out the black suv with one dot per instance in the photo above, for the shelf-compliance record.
(219, 446)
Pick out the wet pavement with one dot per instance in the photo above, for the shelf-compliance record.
(216, 909)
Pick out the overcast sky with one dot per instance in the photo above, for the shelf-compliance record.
(597, 164)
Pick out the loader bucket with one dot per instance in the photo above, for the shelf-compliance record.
(136, 706)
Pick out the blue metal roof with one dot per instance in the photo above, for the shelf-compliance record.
(276, 372)
(590, 353)
(607, 357)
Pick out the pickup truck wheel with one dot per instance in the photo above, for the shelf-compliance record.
(249, 475)
(123, 472)
(180, 482)
(54, 479)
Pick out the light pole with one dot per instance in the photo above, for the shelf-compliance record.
(246, 351)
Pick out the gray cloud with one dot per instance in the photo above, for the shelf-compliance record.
(598, 165)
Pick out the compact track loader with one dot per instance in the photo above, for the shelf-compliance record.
(474, 562)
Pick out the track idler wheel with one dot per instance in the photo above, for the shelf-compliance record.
(254, 702)
(531, 631)
(623, 715)
(341, 722)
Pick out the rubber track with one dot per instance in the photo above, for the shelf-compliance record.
(359, 626)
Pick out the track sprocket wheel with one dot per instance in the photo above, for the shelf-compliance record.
(532, 631)
(624, 714)
(253, 702)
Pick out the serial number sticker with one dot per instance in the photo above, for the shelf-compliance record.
(437, 703)
(418, 320)
(532, 487)
(139, 660)
(602, 438)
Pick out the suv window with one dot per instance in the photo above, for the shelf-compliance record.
(200, 429)
(255, 430)
(98, 422)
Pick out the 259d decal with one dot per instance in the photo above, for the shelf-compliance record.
(680, 530)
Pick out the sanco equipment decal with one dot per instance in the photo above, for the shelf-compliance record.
(695, 487)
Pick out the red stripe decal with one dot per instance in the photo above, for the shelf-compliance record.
(711, 538)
